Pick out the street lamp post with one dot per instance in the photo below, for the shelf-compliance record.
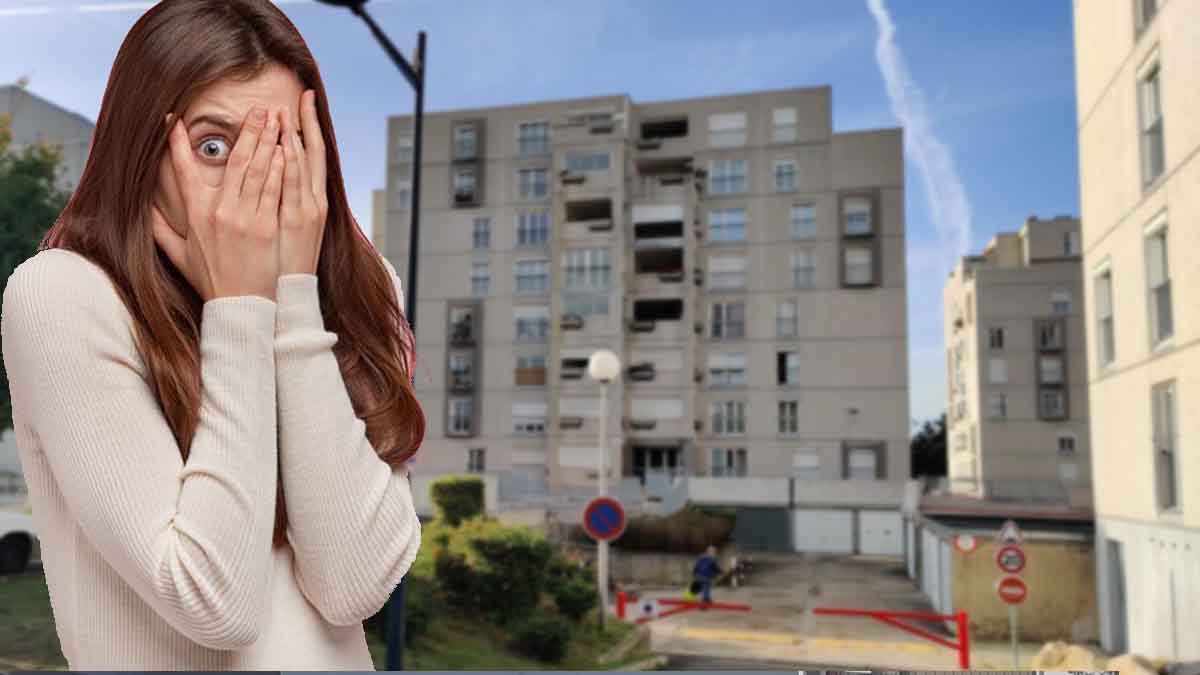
(415, 74)
(603, 367)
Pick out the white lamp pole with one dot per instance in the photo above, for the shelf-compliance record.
(603, 367)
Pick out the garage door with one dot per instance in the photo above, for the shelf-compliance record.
(823, 531)
(880, 533)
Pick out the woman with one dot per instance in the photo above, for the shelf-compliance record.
(204, 332)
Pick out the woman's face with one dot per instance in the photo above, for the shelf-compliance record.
(213, 122)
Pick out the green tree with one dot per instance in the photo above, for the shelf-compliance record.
(929, 449)
(30, 201)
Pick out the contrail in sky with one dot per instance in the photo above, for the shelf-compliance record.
(943, 187)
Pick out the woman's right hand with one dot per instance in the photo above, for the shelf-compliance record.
(231, 247)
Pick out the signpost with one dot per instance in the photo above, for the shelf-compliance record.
(965, 543)
(1010, 558)
(1009, 533)
(604, 519)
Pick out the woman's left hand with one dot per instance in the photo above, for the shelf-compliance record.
(304, 207)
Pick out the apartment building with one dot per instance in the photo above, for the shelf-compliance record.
(1016, 425)
(1138, 92)
(34, 119)
(745, 262)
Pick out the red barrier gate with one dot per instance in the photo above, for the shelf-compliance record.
(963, 646)
(678, 605)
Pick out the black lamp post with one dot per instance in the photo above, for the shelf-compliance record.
(415, 74)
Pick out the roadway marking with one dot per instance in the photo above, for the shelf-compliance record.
(726, 635)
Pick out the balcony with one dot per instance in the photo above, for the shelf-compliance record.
(663, 136)
(571, 322)
(461, 381)
(571, 177)
(573, 369)
(642, 372)
(635, 424)
(593, 214)
(530, 377)
(461, 333)
(570, 422)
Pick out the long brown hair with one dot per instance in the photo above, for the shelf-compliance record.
(171, 54)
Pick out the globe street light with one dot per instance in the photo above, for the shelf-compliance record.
(603, 367)
(415, 74)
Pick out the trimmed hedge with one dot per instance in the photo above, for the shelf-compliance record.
(689, 530)
(542, 637)
(457, 498)
(574, 598)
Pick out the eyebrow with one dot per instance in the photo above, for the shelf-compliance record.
(221, 121)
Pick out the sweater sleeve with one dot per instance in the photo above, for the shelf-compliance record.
(351, 518)
(193, 539)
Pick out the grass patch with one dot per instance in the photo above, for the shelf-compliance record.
(28, 639)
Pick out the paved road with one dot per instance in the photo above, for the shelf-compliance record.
(688, 662)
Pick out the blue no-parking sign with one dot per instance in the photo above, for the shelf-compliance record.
(604, 519)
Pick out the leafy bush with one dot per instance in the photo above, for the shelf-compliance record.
(574, 598)
(543, 637)
(689, 530)
(512, 573)
(457, 498)
(457, 580)
(418, 611)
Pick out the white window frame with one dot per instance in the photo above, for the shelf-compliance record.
(728, 176)
(997, 406)
(534, 146)
(804, 269)
(461, 141)
(788, 411)
(476, 460)
(859, 272)
(1159, 300)
(722, 324)
(1164, 407)
(533, 228)
(532, 189)
(997, 370)
(521, 274)
(727, 226)
(535, 319)
(586, 161)
(804, 220)
(726, 273)
(787, 318)
(455, 406)
(481, 279)
(481, 233)
(727, 369)
(782, 179)
(1106, 335)
(728, 462)
(727, 130)
(728, 417)
(784, 128)
(852, 209)
(1060, 302)
(587, 269)
(1151, 143)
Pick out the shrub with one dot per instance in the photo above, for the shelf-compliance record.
(574, 598)
(418, 611)
(457, 580)
(542, 637)
(688, 530)
(457, 498)
(512, 573)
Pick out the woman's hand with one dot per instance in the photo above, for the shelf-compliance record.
(231, 247)
(305, 207)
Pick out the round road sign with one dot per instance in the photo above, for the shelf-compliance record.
(1010, 559)
(604, 519)
(965, 543)
(1012, 590)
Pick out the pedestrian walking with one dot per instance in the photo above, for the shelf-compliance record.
(706, 571)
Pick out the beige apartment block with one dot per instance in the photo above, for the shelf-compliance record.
(1016, 424)
(743, 260)
(1138, 92)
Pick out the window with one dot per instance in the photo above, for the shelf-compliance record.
(1152, 126)
(533, 276)
(727, 225)
(533, 228)
(464, 185)
(997, 406)
(533, 138)
(529, 418)
(533, 184)
(858, 265)
(727, 176)
(729, 462)
(402, 197)
(726, 273)
(465, 145)
(404, 149)
(1060, 301)
(1052, 404)
(727, 369)
(1158, 278)
(856, 215)
(460, 370)
(1165, 457)
(532, 323)
(459, 417)
(728, 320)
(785, 175)
(804, 221)
(997, 371)
(996, 338)
(727, 130)
(728, 417)
(1071, 243)
(787, 322)
(1050, 369)
(1066, 445)
(1050, 334)
(585, 304)
(862, 462)
(587, 268)
(783, 125)
(475, 460)
(787, 368)
(789, 417)
(586, 161)
(480, 279)
(1144, 13)
(804, 269)
(530, 370)
(1106, 343)
(531, 361)
(481, 233)
(462, 324)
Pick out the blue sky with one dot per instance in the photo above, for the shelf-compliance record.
(985, 90)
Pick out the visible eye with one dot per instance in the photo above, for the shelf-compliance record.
(213, 147)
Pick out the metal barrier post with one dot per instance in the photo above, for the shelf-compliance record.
(964, 640)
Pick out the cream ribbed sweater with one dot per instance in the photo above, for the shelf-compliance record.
(156, 564)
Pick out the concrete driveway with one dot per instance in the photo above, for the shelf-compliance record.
(782, 590)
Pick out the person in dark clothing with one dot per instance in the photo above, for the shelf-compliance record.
(706, 571)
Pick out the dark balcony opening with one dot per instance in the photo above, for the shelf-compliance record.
(641, 326)
(665, 128)
(665, 262)
(573, 369)
(570, 422)
(571, 177)
(589, 209)
(641, 424)
(658, 230)
(460, 332)
(571, 322)
(664, 167)
(653, 459)
(642, 372)
(670, 309)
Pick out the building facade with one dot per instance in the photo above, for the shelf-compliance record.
(33, 119)
(1017, 418)
(745, 263)
(1138, 93)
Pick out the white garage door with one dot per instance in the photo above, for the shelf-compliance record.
(823, 531)
(880, 533)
